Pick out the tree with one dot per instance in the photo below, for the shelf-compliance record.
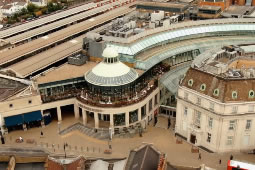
(31, 8)
(23, 11)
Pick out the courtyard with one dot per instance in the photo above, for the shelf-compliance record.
(80, 144)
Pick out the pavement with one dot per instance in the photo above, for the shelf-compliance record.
(80, 144)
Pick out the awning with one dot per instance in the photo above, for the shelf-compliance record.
(32, 116)
(13, 120)
(23, 118)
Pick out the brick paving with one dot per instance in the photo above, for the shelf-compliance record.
(80, 144)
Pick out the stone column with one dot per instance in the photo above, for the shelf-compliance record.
(76, 111)
(96, 120)
(59, 113)
(127, 119)
(84, 117)
(111, 120)
(139, 114)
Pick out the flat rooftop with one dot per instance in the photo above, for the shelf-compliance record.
(208, 7)
(66, 71)
(240, 10)
(165, 4)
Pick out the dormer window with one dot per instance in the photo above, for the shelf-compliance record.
(190, 82)
(202, 87)
(216, 92)
(234, 94)
(251, 94)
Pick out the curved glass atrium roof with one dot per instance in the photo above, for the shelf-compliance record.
(111, 72)
(142, 44)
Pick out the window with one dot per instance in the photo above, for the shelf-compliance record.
(234, 94)
(198, 101)
(156, 100)
(231, 125)
(229, 140)
(150, 105)
(29, 101)
(10, 105)
(197, 118)
(216, 92)
(202, 87)
(248, 125)
(251, 94)
(234, 109)
(186, 95)
(210, 122)
(211, 106)
(185, 111)
(190, 82)
(209, 135)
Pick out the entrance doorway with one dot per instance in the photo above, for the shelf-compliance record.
(67, 111)
(193, 138)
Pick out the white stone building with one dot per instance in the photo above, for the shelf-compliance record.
(10, 9)
(216, 99)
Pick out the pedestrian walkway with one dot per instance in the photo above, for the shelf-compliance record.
(81, 144)
(162, 122)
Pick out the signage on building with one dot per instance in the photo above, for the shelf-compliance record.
(89, 109)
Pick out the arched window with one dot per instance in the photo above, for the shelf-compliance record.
(251, 94)
(234, 94)
(202, 87)
(190, 82)
(216, 92)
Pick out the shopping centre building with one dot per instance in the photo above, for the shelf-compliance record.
(124, 79)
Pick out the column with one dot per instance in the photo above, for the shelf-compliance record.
(96, 120)
(111, 120)
(139, 114)
(84, 117)
(127, 119)
(76, 111)
(59, 113)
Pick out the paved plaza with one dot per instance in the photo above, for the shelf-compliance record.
(80, 144)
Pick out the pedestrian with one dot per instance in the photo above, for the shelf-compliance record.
(231, 157)
(2, 139)
(199, 156)
(41, 134)
(20, 139)
(220, 161)
(169, 122)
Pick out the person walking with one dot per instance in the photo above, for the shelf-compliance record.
(169, 122)
(41, 134)
(199, 156)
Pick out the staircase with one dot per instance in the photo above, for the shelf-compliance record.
(102, 134)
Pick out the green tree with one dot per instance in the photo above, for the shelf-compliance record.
(31, 8)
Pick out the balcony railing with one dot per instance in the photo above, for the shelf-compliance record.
(124, 102)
